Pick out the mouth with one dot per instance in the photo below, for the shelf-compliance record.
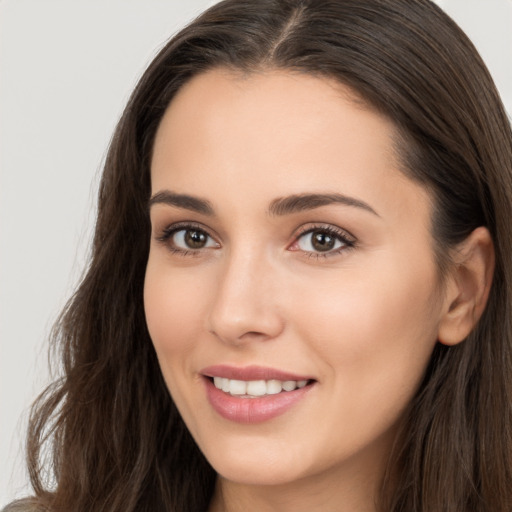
(257, 388)
(253, 394)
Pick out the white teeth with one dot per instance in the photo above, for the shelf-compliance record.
(274, 387)
(225, 385)
(237, 387)
(289, 385)
(255, 388)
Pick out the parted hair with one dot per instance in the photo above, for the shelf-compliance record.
(106, 437)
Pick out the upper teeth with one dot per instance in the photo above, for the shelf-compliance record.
(256, 387)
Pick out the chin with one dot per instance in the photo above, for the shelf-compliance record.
(251, 474)
(260, 463)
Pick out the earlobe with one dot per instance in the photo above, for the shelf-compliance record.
(468, 286)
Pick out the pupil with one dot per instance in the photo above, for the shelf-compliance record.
(195, 239)
(323, 241)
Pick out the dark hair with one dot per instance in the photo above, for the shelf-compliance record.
(117, 440)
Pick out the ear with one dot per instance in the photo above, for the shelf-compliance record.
(468, 286)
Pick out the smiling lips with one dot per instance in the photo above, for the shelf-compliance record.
(256, 388)
(253, 394)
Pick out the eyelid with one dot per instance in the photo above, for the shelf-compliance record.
(345, 237)
(319, 226)
(176, 226)
(165, 237)
(348, 240)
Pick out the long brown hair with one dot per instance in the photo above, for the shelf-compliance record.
(116, 440)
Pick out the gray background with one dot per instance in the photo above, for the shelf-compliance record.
(66, 70)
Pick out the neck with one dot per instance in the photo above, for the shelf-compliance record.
(351, 487)
(231, 497)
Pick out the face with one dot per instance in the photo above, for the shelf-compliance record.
(291, 265)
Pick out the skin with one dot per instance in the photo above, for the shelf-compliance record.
(362, 320)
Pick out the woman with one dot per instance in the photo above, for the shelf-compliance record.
(299, 294)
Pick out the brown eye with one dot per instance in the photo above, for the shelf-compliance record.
(187, 239)
(322, 241)
(195, 239)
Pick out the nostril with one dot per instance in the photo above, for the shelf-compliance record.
(254, 334)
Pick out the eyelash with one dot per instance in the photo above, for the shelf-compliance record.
(169, 232)
(347, 240)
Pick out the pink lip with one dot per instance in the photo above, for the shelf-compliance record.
(250, 373)
(251, 410)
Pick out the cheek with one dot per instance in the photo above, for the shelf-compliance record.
(173, 311)
(374, 329)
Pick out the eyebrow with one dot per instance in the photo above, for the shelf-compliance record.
(185, 201)
(302, 202)
(278, 207)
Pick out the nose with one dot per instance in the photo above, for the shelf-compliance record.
(245, 306)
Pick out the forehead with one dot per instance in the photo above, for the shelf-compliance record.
(271, 134)
(287, 104)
